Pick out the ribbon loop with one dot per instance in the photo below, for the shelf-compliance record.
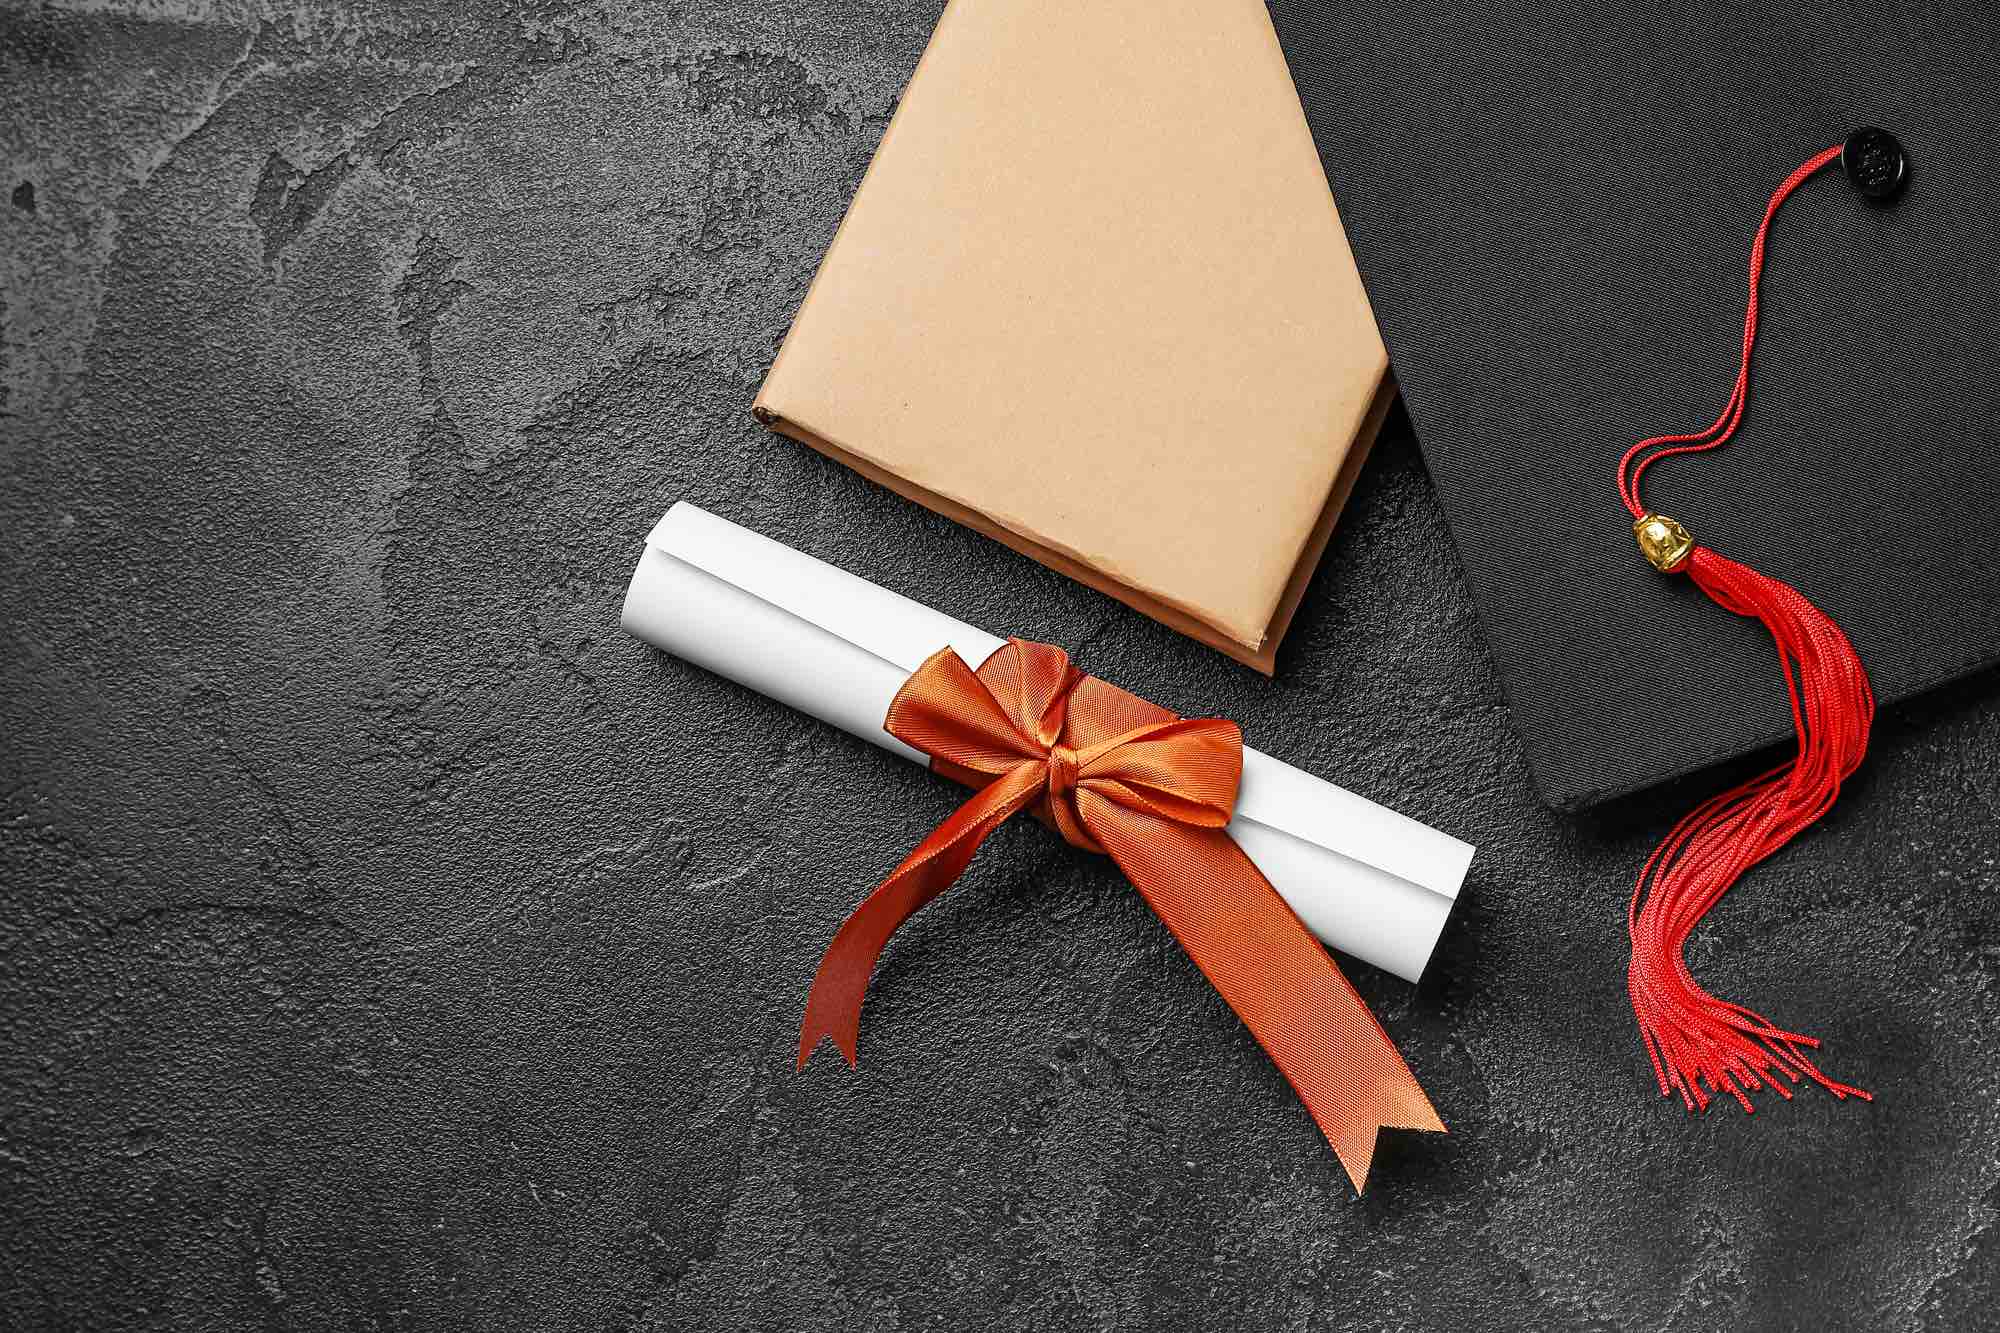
(1116, 774)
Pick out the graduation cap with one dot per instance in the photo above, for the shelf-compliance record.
(1552, 207)
(1552, 210)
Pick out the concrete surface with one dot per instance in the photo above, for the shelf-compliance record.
(390, 943)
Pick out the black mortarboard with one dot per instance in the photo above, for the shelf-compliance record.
(1552, 207)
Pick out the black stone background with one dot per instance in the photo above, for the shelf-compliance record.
(391, 943)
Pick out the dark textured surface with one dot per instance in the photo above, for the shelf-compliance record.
(1555, 224)
(390, 943)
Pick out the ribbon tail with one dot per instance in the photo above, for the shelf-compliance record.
(1275, 975)
(833, 1006)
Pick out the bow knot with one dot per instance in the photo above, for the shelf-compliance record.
(1116, 774)
(1080, 743)
(1058, 796)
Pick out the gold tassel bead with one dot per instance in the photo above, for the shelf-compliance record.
(1662, 541)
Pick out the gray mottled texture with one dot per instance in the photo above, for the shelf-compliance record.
(390, 943)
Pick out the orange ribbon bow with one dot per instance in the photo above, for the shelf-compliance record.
(1116, 774)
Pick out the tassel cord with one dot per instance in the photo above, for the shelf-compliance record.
(1632, 467)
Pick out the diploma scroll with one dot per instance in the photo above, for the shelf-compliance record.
(1367, 881)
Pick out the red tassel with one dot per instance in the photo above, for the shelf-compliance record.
(1702, 1046)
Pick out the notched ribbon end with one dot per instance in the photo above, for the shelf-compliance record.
(810, 1038)
(833, 1013)
(1355, 1143)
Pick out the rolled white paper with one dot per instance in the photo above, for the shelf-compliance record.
(1364, 879)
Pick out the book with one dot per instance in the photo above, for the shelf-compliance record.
(1093, 299)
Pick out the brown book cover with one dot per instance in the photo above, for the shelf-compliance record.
(1093, 299)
